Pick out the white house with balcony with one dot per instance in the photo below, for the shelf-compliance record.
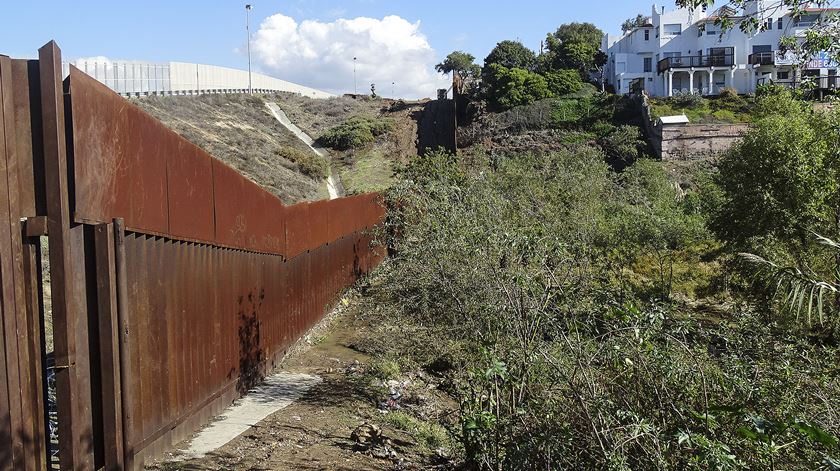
(683, 51)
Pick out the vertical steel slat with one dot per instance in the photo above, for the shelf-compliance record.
(35, 327)
(13, 265)
(125, 344)
(10, 408)
(109, 347)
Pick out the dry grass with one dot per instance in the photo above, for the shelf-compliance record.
(239, 130)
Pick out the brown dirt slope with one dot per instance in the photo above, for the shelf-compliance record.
(239, 130)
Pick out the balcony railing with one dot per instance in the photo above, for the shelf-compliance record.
(715, 60)
(823, 82)
(762, 58)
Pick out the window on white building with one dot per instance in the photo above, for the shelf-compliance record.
(648, 64)
(769, 24)
(783, 75)
(647, 35)
(779, 23)
(806, 21)
(673, 29)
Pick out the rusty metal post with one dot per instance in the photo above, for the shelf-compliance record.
(75, 440)
(121, 286)
(106, 289)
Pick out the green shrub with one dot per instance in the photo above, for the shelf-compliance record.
(430, 434)
(356, 132)
(688, 100)
(307, 161)
(507, 88)
(520, 270)
(384, 368)
(563, 82)
(622, 145)
(725, 116)
(729, 100)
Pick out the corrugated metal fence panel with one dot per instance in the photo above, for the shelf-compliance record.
(207, 318)
(298, 233)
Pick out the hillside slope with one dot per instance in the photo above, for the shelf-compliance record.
(372, 167)
(239, 130)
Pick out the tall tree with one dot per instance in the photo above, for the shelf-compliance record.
(575, 46)
(461, 63)
(511, 54)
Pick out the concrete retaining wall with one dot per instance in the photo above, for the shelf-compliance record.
(687, 141)
(129, 78)
(697, 141)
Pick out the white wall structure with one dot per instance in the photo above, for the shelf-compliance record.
(683, 51)
(129, 78)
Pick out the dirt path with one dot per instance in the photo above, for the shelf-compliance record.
(333, 184)
(314, 432)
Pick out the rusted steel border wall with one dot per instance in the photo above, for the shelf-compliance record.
(176, 281)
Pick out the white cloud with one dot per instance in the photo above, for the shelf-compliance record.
(320, 54)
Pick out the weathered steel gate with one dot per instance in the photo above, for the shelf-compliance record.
(176, 282)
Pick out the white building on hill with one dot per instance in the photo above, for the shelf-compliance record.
(683, 51)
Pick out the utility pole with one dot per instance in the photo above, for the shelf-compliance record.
(248, 31)
(355, 84)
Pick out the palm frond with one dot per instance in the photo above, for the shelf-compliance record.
(800, 292)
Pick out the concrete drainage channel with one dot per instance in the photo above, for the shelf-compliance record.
(333, 183)
(275, 393)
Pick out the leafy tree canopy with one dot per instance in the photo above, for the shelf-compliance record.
(511, 54)
(460, 62)
(632, 23)
(576, 46)
(507, 88)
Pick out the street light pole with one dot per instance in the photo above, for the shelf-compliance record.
(355, 84)
(248, 31)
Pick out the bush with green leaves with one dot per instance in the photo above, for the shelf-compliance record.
(307, 161)
(781, 185)
(506, 88)
(563, 82)
(507, 271)
(356, 132)
(622, 145)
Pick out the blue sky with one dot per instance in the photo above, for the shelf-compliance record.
(213, 31)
